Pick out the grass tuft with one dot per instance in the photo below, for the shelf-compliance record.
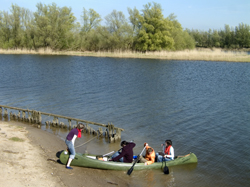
(16, 139)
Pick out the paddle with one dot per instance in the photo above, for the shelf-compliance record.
(138, 157)
(165, 169)
(109, 153)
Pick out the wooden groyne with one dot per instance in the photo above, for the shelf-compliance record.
(35, 117)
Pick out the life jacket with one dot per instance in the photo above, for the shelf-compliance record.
(150, 157)
(167, 150)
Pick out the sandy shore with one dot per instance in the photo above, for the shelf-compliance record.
(29, 158)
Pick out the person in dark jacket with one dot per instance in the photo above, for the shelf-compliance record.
(126, 154)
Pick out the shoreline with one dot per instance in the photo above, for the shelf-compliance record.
(33, 161)
(21, 160)
(194, 55)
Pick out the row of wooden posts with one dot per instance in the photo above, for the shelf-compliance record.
(35, 117)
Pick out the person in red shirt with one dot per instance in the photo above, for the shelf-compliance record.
(149, 156)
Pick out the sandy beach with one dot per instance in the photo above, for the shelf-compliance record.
(29, 158)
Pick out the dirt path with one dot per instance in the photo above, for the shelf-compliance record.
(31, 160)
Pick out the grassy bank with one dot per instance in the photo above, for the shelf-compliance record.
(196, 54)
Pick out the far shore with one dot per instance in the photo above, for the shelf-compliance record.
(198, 54)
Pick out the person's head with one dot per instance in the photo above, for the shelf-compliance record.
(80, 126)
(168, 142)
(150, 150)
(124, 143)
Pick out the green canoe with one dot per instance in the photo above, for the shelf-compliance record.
(90, 161)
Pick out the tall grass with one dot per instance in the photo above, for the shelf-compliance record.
(196, 54)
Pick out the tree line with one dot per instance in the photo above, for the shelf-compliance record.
(56, 28)
(229, 38)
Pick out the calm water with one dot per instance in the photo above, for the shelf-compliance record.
(204, 107)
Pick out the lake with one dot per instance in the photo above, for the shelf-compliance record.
(202, 106)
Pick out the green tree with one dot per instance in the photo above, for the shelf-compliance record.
(15, 25)
(76, 40)
(42, 25)
(227, 37)
(91, 20)
(105, 43)
(120, 31)
(215, 39)
(5, 30)
(53, 26)
(242, 35)
(195, 34)
(182, 39)
(153, 31)
(16, 21)
(27, 37)
(135, 19)
(65, 25)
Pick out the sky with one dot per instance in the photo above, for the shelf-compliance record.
(192, 14)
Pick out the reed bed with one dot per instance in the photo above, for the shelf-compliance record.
(196, 54)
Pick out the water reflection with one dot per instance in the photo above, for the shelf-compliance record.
(177, 176)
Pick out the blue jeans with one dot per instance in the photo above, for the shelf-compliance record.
(161, 158)
(71, 149)
(117, 154)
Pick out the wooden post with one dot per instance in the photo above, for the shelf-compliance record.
(55, 121)
(106, 134)
(11, 116)
(14, 116)
(118, 133)
(111, 140)
(35, 117)
(94, 132)
(113, 133)
(19, 115)
(39, 116)
(86, 128)
(29, 117)
(109, 130)
(100, 132)
(32, 116)
(69, 120)
(5, 113)
(23, 115)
